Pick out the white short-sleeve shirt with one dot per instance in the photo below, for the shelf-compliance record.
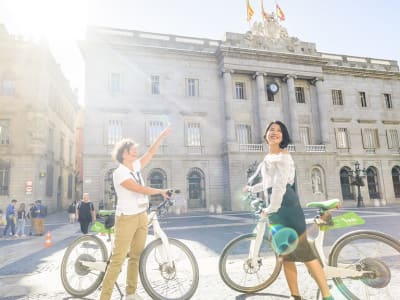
(129, 202)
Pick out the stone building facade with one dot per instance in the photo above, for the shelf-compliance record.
(37, 126)
(219, 95)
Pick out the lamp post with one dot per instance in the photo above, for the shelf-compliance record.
(358, 182)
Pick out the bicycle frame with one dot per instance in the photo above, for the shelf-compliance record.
(342, 271)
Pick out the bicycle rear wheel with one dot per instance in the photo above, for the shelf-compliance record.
(77, 279)
(243, 274)
(375, 253)
(164, 281)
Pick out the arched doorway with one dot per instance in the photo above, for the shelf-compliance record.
(373, 185)
(196, 188)
(347, 190)
(396, 181)
(157, 179)
(110, 198)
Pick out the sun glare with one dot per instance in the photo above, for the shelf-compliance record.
(54, 20)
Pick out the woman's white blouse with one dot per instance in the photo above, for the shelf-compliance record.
(277, 170)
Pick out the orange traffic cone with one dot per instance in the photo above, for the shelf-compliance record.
(48, 242)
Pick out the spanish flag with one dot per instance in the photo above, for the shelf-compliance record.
(250, 11)
(263, 12)
(279, 13)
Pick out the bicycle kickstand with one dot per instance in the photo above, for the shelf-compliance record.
(119, 290)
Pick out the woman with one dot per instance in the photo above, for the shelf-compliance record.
(131, 213)
(284, 208)
(21, 218)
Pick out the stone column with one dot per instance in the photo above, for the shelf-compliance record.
(316, 121)
(323, 111)
(228, 96)
(260, 114)
(290, 109)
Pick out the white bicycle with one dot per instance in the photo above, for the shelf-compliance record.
(168, 269)
(363, 264)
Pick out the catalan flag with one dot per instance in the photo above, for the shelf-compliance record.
(263, 12)
(250, 10)
(279, 13)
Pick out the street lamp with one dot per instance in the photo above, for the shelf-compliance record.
(358, 182)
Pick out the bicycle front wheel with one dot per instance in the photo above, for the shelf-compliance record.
(245, 274)
(377, 256)
(78, 279)
(166, 281)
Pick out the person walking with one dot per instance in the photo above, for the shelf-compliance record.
(131, 214)
(278, 172)
(85, 213)
(10, 218)
(21, 218)
(72, 212)
(41, 213)
(32, 216)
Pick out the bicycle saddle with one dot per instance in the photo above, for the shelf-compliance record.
(325, 205)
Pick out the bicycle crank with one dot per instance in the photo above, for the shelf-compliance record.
(376, 272)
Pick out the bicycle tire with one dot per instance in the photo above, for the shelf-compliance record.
(239, 274)
(371, 251)
(78, 280)
(164, 282)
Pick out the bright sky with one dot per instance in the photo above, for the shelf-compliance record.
(359, 27)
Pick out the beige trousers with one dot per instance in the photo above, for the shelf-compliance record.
(130, 236)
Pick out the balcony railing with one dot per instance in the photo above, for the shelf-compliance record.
(370, 151)
(194, 149)
(315, 148)
(251, 148)
(291, 148)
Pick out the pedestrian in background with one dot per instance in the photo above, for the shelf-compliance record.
(10, 218)
(32, 216)
(72, 212)
(39, 219)
(21, 218)
(85, 213)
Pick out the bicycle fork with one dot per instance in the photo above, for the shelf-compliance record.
(163, 249)
(255, 244)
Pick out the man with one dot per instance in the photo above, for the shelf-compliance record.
(40, 215)
(10, 217)
(85, 213)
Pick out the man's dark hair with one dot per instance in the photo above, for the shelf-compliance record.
(285, 134)
(14, 200)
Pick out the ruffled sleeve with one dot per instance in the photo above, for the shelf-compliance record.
(280, 167)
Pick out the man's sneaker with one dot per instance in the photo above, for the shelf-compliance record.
(134, 296)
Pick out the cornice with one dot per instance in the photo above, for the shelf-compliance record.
(360, 72)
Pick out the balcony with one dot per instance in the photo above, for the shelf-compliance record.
(251, 148)
(315, 148)
(370, 151)
(194, 150)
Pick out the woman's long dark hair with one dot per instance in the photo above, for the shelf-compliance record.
(285, 134)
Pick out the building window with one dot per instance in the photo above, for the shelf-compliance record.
(347, 191)
(49, 180)
(370, 138)
(69, 192)
(193, 135)
(243, 134)
(158, 180)
(337, 97)
(155, 84)
(372, 181)
(388, 101)
(62, 149)
(155, 128)
(396, 181)
(304, 133)
(7, 87)
(342, 138)
(239, 90)
(196, 188)
(4, 178)
(114, 131)
(300, 98)
(4, 132)
(70, 147)
(115, 83)
(50, 140)
(392, 138)
(192, 87)
(363, 99)
(270, 97)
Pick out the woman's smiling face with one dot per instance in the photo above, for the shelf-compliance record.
(274, 135)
